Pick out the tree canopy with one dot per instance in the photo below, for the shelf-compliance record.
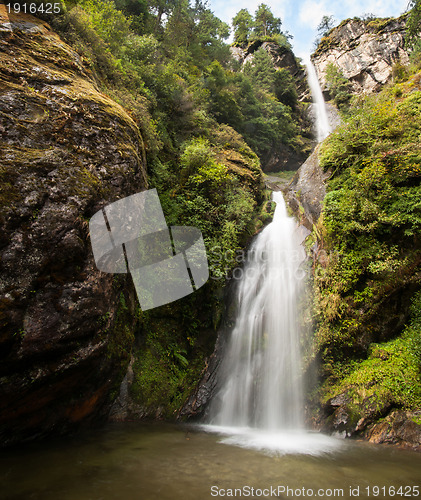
(243, 26)
(414, 25)
(265, 23)
(325, 25)
(248, 28)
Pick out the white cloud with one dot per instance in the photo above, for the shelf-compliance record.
(301, 17)
(380, 8)
(312, 11)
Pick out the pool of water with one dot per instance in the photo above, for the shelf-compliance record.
(174, 462)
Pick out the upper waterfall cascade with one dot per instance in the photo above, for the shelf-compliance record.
(322, 121)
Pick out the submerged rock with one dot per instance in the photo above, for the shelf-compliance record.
(66, 151)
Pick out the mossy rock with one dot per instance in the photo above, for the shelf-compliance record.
(66, 151)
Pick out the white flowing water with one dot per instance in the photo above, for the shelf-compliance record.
(262, 384)
(260, 401)
(322, 121)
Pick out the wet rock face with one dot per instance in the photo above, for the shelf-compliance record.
(364, 51)
(66, 151)
(372, 419)
(306, 192)
(399, 428)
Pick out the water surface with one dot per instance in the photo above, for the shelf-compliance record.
(157, 461)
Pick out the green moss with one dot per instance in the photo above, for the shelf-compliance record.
(171, 358)
(379, 24)
(371, 220)
(391, 375)
(120, 334)
(326, 43)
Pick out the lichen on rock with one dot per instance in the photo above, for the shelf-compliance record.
(363, 51)
(66, 151)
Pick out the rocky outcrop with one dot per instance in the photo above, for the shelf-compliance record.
(66, 151)
(402, 428)
(364, 51)
(373, 420)
(307, 190)
(282, 57)
(198, 402)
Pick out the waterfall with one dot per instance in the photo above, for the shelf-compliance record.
(261, 370)
(259, 403)
(322, 121)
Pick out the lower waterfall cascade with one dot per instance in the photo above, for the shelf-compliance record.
(260, 402)
(261, 370)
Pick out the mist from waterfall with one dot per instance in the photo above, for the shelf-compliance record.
(322, 121)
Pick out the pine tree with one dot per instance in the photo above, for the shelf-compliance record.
(265, 23)
(243, 25)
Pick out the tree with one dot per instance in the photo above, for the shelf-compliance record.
(137, 11)
(194, 33)
(242, 23)
(326, 24)
(261, 71)
(413, 24)
(339, 87)
(265, 23)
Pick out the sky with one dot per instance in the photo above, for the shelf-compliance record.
(301, 17)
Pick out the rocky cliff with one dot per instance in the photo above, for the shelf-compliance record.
(284, 157)
(364, 51)
(282, 57)
(66, 151)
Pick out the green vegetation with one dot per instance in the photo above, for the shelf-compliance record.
(284, 175)
(390, 377)
(206, 126)
(173, 346)
(326, 24)
(264, 26)
(178, 78)
(338, 86)
(413, 25)
(371, 227)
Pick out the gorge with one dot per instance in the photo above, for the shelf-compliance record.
(101, 399)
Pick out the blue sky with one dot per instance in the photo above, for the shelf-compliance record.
(301, 17)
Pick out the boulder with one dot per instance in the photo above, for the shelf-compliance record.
(400, 427)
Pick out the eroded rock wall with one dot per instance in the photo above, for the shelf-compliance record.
(66, 151)
(365, 52)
